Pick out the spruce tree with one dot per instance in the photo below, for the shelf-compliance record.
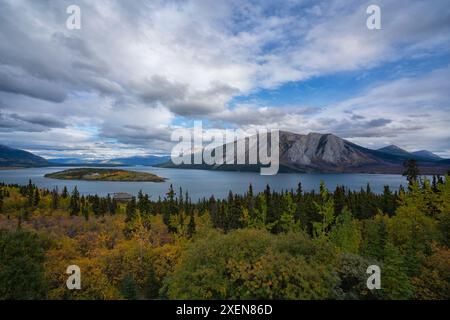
(74, 207)
(128, 288)
(36, 197)
(55, 198)
(411, 171)
(131, 210)
(65, 193)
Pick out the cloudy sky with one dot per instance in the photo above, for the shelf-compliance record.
(136, 70)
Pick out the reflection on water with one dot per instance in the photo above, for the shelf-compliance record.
(203, 183)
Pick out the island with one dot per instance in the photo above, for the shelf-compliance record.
(96, 174)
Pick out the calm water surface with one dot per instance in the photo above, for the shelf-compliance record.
(203, 183)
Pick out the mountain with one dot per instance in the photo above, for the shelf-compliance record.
(139, 160)
(393, 149)
(426, 154)
(128, 161)
(67, 161)
(315, 152)
(10, 157)
(423, 155)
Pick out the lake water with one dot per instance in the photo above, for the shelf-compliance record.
(203, 183)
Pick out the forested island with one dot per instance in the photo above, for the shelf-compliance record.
(271, 245)
(97, 174)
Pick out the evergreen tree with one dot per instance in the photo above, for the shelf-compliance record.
(30, 193)
(85, 211)
(411, 171)
(171, 209)
(131, 210)
(395, 284)
(36, 197)
(287, 219)
(191, 225)
(65, 193)
(388, 201)
(128, 288)
(152, 285)
(74, 207)
(55, 198)
(95, 202)
(2, 196)
(325, 209)
(22, 273)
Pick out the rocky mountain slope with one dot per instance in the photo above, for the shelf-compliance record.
(315, 152)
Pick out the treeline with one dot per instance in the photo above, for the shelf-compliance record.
(269, 245)
(276, 211)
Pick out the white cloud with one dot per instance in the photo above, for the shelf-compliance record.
(135, 66)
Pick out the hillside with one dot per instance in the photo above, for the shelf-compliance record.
(10, 157)
(315, 152)
(426, 154)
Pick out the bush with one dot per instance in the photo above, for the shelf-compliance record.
(251, 264)
(22, 256)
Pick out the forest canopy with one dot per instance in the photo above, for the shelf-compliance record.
(269, 245)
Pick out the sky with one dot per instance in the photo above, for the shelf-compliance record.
(137, 70)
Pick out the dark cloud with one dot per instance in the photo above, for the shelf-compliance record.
(158, 88)
(14, 80)
(42, 120)
(16, 123)
(375, 123)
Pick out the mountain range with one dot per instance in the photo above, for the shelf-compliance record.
(10, 157)
(313, 152)
(126, 161)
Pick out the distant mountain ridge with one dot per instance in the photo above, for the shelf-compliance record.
(315, 152)
(10, 157)
(393, 149)
(418, 155)
(125, 161)
(427, 154)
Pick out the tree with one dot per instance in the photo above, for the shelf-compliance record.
(65, 193)
(251, 264)
(287, 219)
(346, 234)
(433, 280)
(30, 193)
(36, 197)
(130, 210)
(95, 201)
(411, 171)
(325, 209)
(191, 225)
(152, 285)
(395, 284)
(388, 202)
(85, 211)
(1, 200)
(171, 209)
(128, 288)
(22, 266)
(351, 270)
(74, 207)
(55, 198)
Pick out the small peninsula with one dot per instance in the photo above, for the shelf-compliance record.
(97, 174)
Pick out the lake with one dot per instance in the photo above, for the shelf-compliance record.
(203, 183)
